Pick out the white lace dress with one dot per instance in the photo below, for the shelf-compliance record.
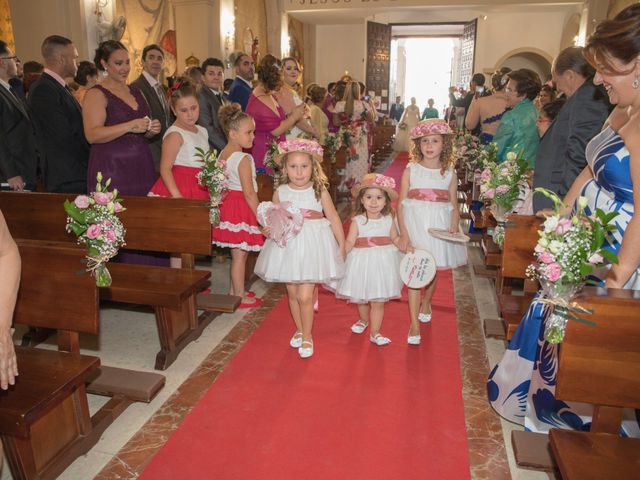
(372, 273)
(420, 215)
(313, 256)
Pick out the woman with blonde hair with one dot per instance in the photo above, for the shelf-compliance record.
(288, 96)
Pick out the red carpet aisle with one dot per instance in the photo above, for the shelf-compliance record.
(352, 411)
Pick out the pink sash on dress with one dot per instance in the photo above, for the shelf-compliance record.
(367, 242)
(429, 194)
(311, 214)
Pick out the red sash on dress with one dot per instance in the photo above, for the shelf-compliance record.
(429, 194)
(367, 242)
(311, 214)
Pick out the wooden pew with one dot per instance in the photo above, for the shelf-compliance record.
(153, 224)
(520, 239)
(44, 419)
(601, 366)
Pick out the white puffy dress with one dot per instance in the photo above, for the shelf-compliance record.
(420, 215)
(313, 256)
(372, 273)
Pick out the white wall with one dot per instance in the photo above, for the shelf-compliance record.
(339, 48)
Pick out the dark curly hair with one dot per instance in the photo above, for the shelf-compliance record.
(230, 116)
(527, 82)
(499, 78)
(270, 73)
(85, 69)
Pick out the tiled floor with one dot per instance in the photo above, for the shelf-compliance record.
(129, 339)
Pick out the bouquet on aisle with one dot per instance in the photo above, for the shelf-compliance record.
(93, 218)
(567, 252)
(503, 184)
(213, 176)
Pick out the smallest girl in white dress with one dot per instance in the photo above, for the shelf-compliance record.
(372, 275)
(316, 254)
(428, 199)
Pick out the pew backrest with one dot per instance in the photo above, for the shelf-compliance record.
(520, 238)
(152, 223)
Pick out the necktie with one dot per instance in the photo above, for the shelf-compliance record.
(163, 102)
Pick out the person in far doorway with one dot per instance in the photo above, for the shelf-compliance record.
(210, 100)
(242, 87)
(430, 112)
(397, 109)
(155, 94)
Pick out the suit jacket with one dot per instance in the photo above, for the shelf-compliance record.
(157, 112)
(64, 151)
(210, 103)
(561, 153)
(239, 93)
(396, 111)
(18, 153)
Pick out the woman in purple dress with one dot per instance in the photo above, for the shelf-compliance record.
(116, 120)
(271, 121)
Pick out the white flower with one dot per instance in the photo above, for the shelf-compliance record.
(550, 224)
(582, 202)
(511, 156)
(554, 246)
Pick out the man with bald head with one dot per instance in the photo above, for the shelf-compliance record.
(57, 118)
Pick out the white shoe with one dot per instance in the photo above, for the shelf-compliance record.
(379, 340)
(413, 339)
(296, 340)
(306, 352)
(359, 327)
(424, 317)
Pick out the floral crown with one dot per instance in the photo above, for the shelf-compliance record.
(311, 147)
(433, 126)
(376, 180)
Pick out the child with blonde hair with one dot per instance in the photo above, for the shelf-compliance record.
(316, 253)
(428, 199)
(372, 275)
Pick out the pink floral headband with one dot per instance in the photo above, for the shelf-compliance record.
(376, 180)
(300, 145)
(430, 127)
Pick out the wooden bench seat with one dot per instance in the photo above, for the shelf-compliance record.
(171, 292)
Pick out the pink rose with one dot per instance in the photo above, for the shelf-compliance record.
(93, 231)
(553, 272)
(485, 175)
(596, 258)
(564, 225)
(502, 189)
(82, 201)
(546, 257)
(110, 235)
(489, 193)
(102, 198)
(107, 223)
(117, 207)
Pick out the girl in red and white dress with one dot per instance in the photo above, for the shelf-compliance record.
(238, 228)
(179, 164)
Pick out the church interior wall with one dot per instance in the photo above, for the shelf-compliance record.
(340, 48)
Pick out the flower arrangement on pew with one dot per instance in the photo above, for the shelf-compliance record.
(332, 144)
(93, 218)
(467, 148)
(213, 176)
(504, 184)
(567, 252)
(270, 158)
(350, 136)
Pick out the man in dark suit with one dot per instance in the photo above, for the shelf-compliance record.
(18, 154)
(396, 110)
(241, 87)
(57, 119)
(210, 100)
(149, 83)
(561, 153)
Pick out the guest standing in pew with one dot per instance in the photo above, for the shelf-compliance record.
(154, 92)
(117, 125)
(561, 153)
(521, 387)
(238, 228)
(242, 87)
(18, 154)
(57, 119)
(10, 274)
(180, 164)
(210, 100)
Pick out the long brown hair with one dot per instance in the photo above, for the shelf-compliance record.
(318, 178)
(358, 208)
(446, 156)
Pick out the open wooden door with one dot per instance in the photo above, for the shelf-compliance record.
(467, 54)
(378, 59)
